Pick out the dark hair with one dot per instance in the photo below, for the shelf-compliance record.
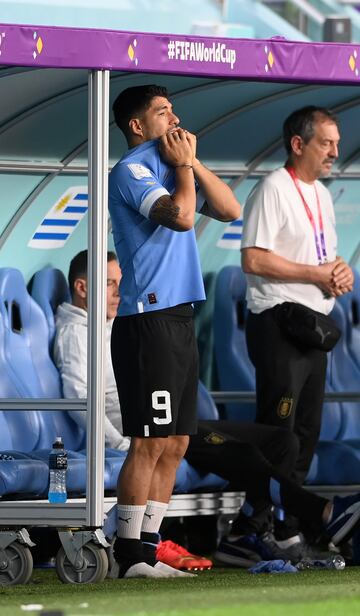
(301, 123)
(78, 266)
(132, 102)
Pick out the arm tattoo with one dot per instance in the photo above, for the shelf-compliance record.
(165, 212)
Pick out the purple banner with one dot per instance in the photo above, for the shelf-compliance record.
(274, 59)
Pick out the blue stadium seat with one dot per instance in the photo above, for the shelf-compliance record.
(19, 473)
(234, 368)
(206, 407)
(332, 411)
(49, 288)
(336, 463)
(345, 376)
(27, 358)
(19, 430)
(331, 423)
(28, 371)
(351, 306)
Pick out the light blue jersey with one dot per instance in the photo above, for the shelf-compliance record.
(160, 267)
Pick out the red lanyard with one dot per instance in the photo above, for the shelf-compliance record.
(320, 245)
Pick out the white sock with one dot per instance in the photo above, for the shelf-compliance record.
(130, 519)
(153, 516)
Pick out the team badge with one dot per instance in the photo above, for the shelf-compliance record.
(285, 407)
(214, 439)
(139, 171)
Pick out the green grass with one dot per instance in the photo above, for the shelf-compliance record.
(221, 592)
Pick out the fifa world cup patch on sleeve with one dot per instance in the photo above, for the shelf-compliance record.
(285, 407)
(214, 439)
(152, 298)
(139, 171)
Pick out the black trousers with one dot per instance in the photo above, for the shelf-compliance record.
(256, 459)
(290, 384)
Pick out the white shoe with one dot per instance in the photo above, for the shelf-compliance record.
(171, 572)
(143, 570)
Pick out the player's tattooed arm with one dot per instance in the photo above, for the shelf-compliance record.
(165, 212)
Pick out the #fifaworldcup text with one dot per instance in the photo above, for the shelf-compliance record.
(199, 52)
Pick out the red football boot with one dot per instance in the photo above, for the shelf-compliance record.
(179, 558)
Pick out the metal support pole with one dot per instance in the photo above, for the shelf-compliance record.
(97, 248)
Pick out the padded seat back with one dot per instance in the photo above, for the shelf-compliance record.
(23, 437)
(350, 302)
(25, 331)
(331, 423)
(345, 376)
(235, 370)
(206, 407)
(49, 288)
(27, 370)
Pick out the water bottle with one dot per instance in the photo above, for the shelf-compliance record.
(57, 465)
(336, 561)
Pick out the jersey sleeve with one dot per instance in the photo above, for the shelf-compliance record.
(263, 217)
(137, 185)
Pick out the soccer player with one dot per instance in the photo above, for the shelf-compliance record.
(154, 192)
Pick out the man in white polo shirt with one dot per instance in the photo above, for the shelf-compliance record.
(289, 254)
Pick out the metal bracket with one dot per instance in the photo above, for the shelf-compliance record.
(24, 537)
(74, 541)
(99, 537)
(9, 536)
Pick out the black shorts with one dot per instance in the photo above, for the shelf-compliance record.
(156, 367)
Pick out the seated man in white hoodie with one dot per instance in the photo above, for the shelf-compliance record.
(70, 347)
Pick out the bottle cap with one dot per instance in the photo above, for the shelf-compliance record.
(58, 443)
